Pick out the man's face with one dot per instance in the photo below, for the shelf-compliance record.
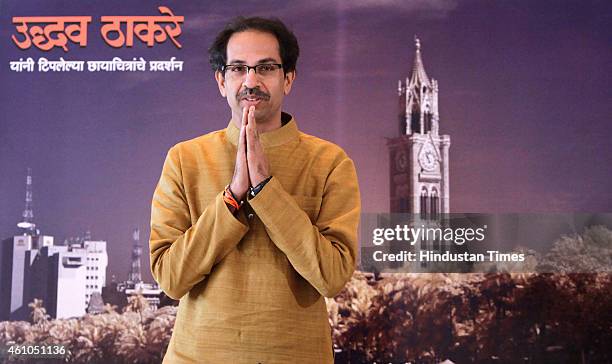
(265, 91)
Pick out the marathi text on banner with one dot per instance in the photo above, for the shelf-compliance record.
(114, 65)
(47, 32)
(56, 33)
(146, 28)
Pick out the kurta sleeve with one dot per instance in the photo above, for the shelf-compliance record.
(183, 254)
(324, 253)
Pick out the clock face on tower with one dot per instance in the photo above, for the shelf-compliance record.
(401, 161)
(428, 158)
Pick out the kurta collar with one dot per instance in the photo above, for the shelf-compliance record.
(282, 135)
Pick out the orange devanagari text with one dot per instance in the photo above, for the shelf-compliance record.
(46, 32)
(146, 28)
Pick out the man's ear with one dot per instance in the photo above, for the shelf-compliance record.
(221, 83)
(289, 77)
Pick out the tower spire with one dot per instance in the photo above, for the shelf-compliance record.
(419, 76)
(27, 224)
(418, 99)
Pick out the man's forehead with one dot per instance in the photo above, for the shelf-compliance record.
(252, 46)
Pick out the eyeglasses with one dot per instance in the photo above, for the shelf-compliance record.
(239, 70)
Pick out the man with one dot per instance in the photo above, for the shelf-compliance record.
(252, 225)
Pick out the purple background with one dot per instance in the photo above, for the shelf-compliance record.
(524, 94)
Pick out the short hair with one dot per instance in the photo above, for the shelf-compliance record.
(287, 42)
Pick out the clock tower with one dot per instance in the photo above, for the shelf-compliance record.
(419, 155)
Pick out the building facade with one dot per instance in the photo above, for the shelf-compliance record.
(15, 262)
(63, 276)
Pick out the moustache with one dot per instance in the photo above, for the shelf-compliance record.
(250, 92)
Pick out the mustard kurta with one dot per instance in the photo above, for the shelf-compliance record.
(251, 288)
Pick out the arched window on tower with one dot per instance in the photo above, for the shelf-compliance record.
(435, 207)
(428, 118)
(424, 203)
(403, 205)
(415, 120)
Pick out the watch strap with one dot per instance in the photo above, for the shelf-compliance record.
(253, 191)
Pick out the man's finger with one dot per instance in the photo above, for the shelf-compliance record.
(242, 137)
(252, 117)
(242, 140)
(245, 115)
(251, 128)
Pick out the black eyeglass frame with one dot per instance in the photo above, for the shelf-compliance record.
(224, 68)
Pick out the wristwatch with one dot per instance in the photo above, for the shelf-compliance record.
(253, 191)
